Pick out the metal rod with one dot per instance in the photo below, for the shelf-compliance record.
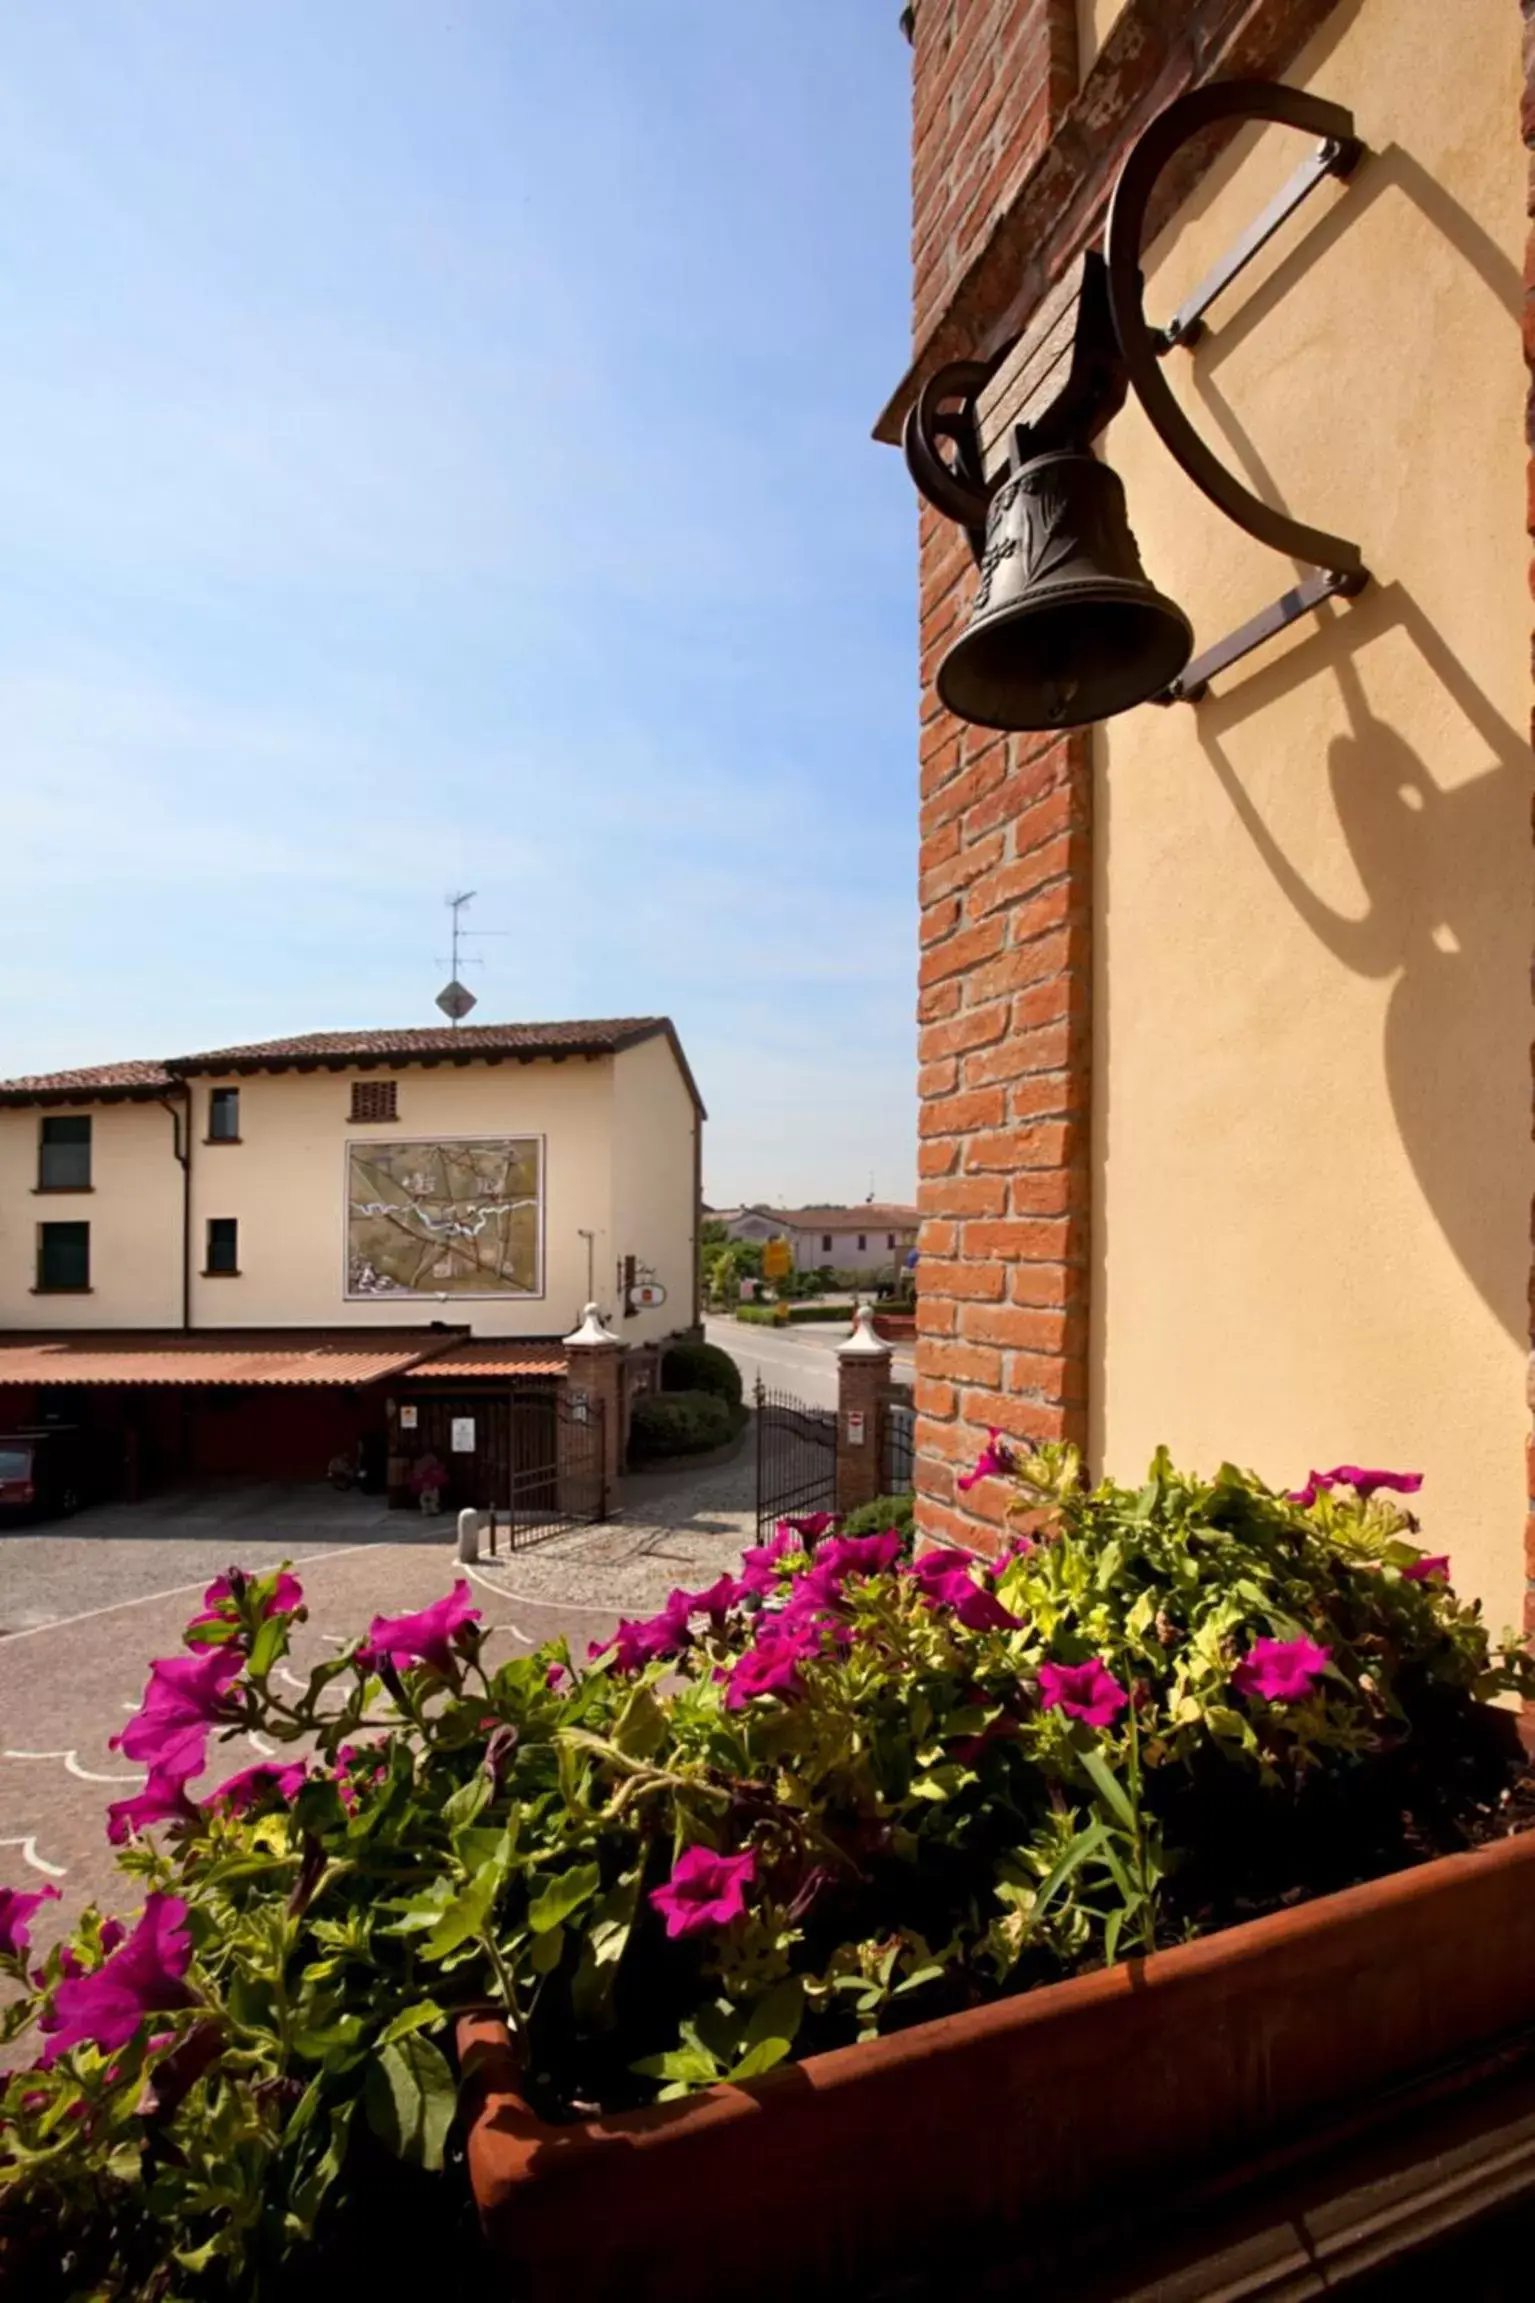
(1336, 156)
(1326, 584)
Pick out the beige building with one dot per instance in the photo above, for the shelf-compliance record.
(428, 1189)
(874, 1237)
(1225, 1003)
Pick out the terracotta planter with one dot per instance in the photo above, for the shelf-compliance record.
(961, 2134)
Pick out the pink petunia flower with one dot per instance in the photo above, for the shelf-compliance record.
(705, 1890)
(771, 1667)
(162, 1800)
(760, 1568)
(944, 1579)
(995, 1461)
(844, 1555)
(113, 1933)
(252, 1783)
(717, 1602)
(186, 1696)
(428, 1637)
(1432, 1568)
(657, 1637)
(1280, 1670)
(17, 1906)
(1364, 1483)
(1086, 1691)
(811, 1524)
(146, 1977)
(554, 1675)
(285, 1597)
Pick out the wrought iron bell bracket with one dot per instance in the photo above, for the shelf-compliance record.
(1338, 565)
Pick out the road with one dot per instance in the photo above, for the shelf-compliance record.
(801, 1360)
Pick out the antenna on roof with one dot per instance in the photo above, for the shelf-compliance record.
(455, 999)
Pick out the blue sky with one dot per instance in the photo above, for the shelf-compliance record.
(434, 453)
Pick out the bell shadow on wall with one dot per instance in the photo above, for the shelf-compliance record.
(1447, 875)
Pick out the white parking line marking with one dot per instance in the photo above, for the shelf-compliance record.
(175, 1591)
(72, 1764)
(531, 1599)
(259, 1743)
(30, 1855)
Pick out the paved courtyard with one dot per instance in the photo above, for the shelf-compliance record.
(85, 1606)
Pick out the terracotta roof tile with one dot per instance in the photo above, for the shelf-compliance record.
(256, 1357)
(491, 1357)
(89, 1081)
(604, 1037)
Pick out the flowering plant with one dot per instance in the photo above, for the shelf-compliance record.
(841, 1792)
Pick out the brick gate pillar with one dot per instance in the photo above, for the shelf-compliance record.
(594, 1366)
(863, 1395)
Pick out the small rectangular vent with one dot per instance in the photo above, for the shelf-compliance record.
(374, 1100)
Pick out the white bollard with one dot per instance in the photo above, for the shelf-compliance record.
(469, 1536)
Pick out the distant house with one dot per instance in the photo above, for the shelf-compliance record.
(874, 1236)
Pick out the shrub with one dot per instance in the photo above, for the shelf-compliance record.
(762, 1314)
(799, 1312)
(679, 1423)
(897, 1512)
(701, 1367)
(840, 1794)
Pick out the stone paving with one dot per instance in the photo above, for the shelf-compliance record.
(84, 1608)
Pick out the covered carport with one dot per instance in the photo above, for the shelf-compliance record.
(157, 1411)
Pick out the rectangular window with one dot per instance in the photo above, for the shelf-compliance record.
(374, 1100)
(863, 1241)
(223, 1245)
(63, 1258)
(890, 1239)
(64, 1155)
(826, 1243)
(224, 1116)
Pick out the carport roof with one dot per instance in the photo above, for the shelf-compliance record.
(309, 1356)
(491, 1358)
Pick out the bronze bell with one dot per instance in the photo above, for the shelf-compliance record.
(1065, 627)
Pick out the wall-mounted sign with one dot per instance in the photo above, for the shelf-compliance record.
(462, 1441)
(647, 1294)
(855, 1427)
(580, 1404)
(409, 1417)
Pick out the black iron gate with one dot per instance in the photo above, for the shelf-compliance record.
(900, 1424)
(796, 1457)
(533, 1459)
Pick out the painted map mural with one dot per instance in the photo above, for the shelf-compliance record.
(446, 1218)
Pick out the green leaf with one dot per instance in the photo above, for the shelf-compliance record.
(546, 1952)
(467, 1801)
(606, 1941)
(417, 2018)
(641, 1727)
(689, 2064)
(268, 1647)
(465, 1916)
(1109, 1787)
(308, 2193)
(564, 1894)
(760, 2058)
(775, 2018)
(409, 2098)
(1085, 1844)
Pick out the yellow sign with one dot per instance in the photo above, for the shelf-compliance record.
(777, 1259)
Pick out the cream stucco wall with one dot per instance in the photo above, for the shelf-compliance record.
(133, 1209)
(285, 1182)
(1312, 1025)
(655, 1209)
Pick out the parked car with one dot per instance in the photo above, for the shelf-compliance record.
(42, 1473)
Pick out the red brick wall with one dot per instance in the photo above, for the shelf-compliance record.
(992, 79)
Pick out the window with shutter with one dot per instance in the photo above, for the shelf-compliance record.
(63, 1258)
(223, 1255)
(64, 1155)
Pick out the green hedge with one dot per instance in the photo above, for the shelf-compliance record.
(886, 1511)
(822, 1311)
(701, 1367)
(679, 1423)
(757, 1315)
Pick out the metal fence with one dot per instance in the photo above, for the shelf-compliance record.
(553, 1474)
(900, 1449)
(796, 1456)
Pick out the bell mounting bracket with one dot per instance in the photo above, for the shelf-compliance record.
(1115, 349)
(1338, 565)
